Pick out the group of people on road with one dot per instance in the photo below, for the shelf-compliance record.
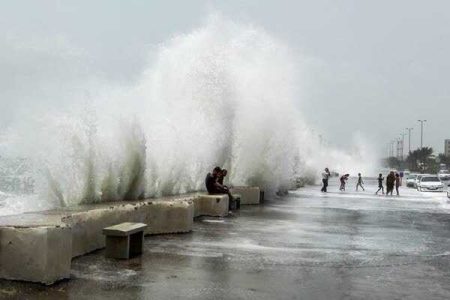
(392, 180)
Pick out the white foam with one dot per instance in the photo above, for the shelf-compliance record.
(225, 94)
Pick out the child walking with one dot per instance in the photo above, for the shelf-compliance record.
(360, 182)
(380, 184)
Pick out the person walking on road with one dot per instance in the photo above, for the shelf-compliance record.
(380, 184)
(390, 181)
(343, 180)
(325, 175)
(398, 183)
(360, 182)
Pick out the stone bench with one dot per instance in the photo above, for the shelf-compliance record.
(124, 240)
(249, 194)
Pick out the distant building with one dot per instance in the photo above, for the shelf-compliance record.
(447, 148)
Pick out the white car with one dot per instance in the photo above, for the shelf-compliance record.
(417, 181)
(444, 175)
(430, 183)
(411, 180)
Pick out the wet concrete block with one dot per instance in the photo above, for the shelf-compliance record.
(211, 205)
(165, 216)
(38, 254)
(236, 205)
(170, 217)
(249, 194)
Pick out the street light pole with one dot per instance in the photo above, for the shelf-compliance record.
(409, 139)
(403, 145)
(392, 148)
(421, 132)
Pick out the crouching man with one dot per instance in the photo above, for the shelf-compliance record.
(214, 185)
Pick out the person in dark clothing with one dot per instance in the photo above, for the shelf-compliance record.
(214, 187)
(390, 181)
(343, 180)
(211, 182)
(325, 175)
(380, 184)
(398, 183)
(360, 182)
(221, 176)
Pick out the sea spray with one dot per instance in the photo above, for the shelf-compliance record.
(225, 94)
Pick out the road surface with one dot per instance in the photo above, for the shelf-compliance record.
(309, 245)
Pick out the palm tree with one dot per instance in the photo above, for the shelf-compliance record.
(418, 159)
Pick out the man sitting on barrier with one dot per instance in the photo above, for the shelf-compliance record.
(213, 185)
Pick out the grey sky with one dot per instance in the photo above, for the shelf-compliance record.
(373, 66)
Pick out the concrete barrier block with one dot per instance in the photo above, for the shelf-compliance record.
(211, 205)
(37, 254)
(165, 216)
(39, 246)
(249, 194)
(169, 217)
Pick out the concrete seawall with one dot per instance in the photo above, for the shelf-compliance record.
(161, 216)
(39, 246)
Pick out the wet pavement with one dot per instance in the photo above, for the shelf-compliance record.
(309, 245)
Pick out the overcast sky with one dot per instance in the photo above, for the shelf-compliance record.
(375, 67)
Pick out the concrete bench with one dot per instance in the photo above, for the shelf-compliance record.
(124, 240)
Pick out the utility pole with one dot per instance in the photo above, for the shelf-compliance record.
(403, 145)
(421, 132)
(422, 159)
(392, 148)
(409, 139)
(398, 142)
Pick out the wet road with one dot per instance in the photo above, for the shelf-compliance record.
(306, 246)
